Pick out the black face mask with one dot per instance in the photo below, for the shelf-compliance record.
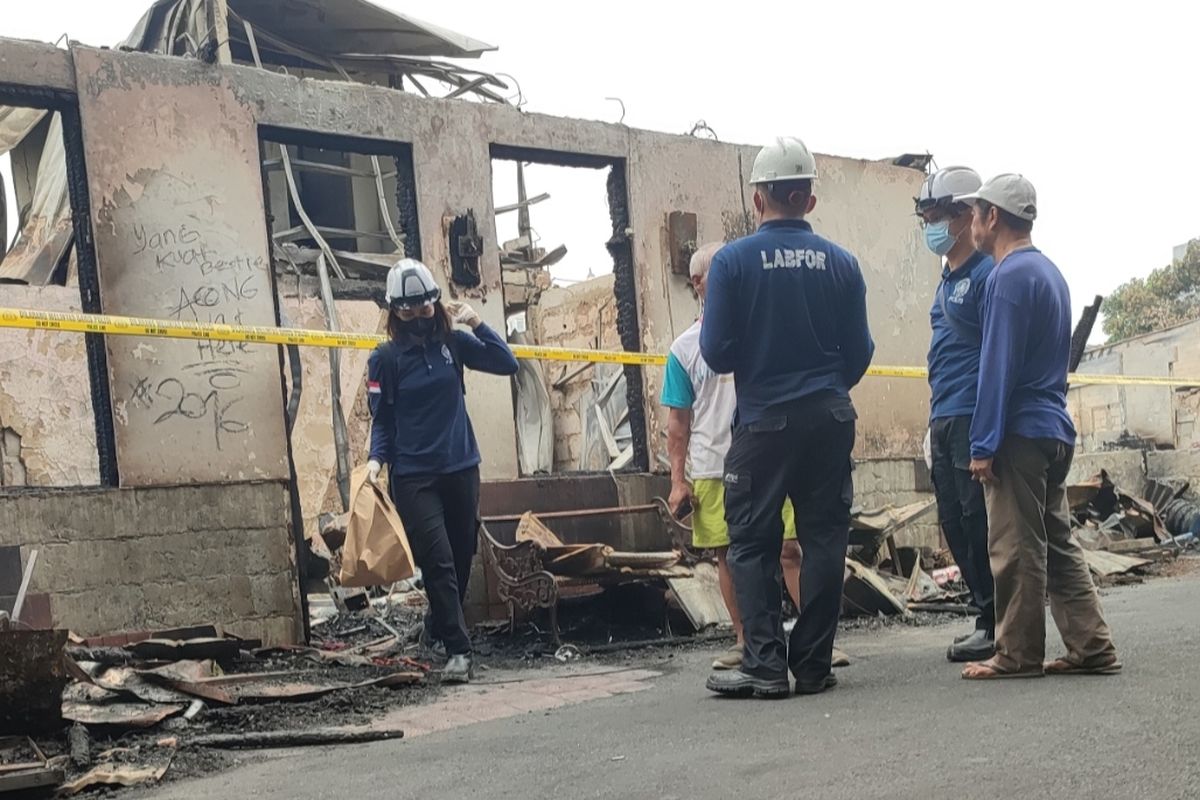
(421, 326)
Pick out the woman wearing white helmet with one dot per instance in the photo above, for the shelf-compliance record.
(421, 430)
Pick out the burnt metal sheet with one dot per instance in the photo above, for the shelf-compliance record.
(113, 774)
(1104, 564)
(700, 597)
(337, 27)
(189, 677)
(121, 715)
(869, 593)
(180, 234)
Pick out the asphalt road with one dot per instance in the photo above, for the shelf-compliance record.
(901, 725)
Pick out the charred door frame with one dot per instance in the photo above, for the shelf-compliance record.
(409, 224)
(67, 104)
(620, 247)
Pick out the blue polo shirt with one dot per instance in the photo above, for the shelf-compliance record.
(956, 321)
(786, 313)
(420, 426)
(1026, 350)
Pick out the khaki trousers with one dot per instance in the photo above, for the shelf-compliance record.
(1033, 553)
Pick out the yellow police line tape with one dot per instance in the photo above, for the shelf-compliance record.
(165, 329)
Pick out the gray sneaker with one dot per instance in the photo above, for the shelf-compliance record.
(431, 649)
(457, 670)
(735, 683)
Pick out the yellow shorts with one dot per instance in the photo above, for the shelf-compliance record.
(708, 517)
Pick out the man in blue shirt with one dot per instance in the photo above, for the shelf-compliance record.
(786, 313)
(1022, 442)
(953, 375)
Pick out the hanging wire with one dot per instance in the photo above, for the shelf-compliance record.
(621, 121)
(520, 95)
(701, 125)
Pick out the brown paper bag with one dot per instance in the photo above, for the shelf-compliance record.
(376, 551)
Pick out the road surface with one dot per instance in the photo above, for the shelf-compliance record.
(901, 725)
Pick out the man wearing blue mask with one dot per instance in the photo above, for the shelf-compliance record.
(954, 354)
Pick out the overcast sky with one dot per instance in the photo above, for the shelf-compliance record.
(1095, 103)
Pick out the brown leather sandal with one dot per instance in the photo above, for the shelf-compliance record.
(990, 671)
(1061, 666)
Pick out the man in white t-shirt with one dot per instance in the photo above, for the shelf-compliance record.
(701, 405)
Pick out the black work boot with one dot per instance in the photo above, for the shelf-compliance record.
(979, 646)
(816, 686)
(735, 683)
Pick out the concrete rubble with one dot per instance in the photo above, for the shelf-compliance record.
(1124, 535)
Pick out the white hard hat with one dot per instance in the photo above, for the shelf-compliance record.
(787, 159)
(942, 187)
(410, 284)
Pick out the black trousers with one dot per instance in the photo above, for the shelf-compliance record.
(800, 450)
(441, 517)
(962, 513)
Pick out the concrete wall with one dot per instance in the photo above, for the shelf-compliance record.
(1157, 415)
(864, 205)
(1125, 468)
(1129, 469)
(579, 316)
(117, 560)
(1176, 465)
(880, 482)
(176, 191)
(47, 431)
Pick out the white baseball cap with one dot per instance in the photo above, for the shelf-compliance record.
(1011, 192)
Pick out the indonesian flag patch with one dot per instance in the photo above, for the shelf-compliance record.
(372, 387)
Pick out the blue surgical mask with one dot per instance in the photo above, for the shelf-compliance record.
(938, 238)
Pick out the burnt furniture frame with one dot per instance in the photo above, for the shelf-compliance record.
(524, 584)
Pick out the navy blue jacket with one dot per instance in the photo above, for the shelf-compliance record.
(420, 425)
(956, 320)
(786, 313)
(1026, 350)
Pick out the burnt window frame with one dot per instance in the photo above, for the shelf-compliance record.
(66, 104)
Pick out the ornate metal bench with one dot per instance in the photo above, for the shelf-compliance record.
(524, 583)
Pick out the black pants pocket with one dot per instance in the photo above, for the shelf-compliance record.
(739, 498)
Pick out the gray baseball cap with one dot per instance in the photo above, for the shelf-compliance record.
(1011, 192)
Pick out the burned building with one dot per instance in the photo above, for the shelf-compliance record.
(266, 169)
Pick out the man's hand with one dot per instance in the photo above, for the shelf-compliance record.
(981, 470)
(373, 468)
(680, 492)
(463, 314)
